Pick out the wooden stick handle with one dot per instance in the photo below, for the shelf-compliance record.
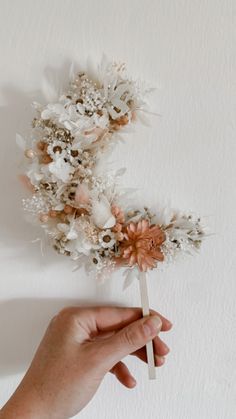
(146, 312)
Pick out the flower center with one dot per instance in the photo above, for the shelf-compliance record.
(74, 153)
(106, 238)
(57, 148)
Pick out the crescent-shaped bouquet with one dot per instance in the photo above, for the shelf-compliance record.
(82, 209)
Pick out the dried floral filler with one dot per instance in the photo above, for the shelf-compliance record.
(84, 212)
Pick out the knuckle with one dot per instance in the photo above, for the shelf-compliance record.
(52, 321)
(129, 336)
(66, 317)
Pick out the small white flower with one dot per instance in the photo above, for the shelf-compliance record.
(61, 170)
(97, 260)
(76, 234)
(74, 155)
(69, 230)
(107, 239)
(53, 111)
(80, 245)
(57, 148)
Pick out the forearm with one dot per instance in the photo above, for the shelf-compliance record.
(24, 403)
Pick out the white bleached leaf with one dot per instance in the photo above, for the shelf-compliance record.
(101, 213)
(130, 275)
(110, 222)
(59, 207)
(20, 141)
(120, 172)
(72, 71)
(37, 106)
(49, 91)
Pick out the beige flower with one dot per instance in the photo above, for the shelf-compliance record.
(141, 245)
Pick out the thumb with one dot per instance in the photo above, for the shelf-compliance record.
(130, 338)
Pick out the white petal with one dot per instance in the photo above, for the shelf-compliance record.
(72, 235)
(121, 171)
(110, 222)
(49, 91)
(101, 213)
(59, 207)
(130, 276)
(20, 141)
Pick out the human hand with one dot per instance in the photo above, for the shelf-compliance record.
(79, 347)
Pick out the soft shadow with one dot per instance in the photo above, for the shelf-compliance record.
(22, 325)
(15, 117)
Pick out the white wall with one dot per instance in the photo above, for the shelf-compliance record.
(187, 157)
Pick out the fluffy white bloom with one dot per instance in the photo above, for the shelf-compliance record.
(77, 236)
(54, 111)
(34, 172)
(61, 169)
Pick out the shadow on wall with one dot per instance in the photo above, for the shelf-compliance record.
(22, 325)
(15, 117)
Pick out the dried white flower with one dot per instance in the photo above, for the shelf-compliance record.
(82, 208)
(57, 149)
(107, 239)
(61, 170)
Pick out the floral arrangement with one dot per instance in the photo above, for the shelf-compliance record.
(83, 210)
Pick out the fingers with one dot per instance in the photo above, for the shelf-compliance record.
(160, 348)
(104, 319)
(122, 373)
(142, 355)
(160, 351)
(166, 324)
(128, 340)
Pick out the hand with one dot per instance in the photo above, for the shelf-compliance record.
(79, 347)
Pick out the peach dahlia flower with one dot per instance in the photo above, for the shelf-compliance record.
(141, 245)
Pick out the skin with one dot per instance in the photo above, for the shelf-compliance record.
(79, 347)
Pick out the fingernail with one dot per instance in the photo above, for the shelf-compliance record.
(152, 326)
(169, 323)
(160, 360)
(133, 382)
(167, 349)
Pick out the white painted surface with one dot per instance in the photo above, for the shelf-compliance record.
(187, 156)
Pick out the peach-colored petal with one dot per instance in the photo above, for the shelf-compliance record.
(141, 245)
(26, 183)
(82, 194)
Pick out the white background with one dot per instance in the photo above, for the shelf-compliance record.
(186, 158)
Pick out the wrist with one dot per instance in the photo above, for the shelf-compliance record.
(24, 403)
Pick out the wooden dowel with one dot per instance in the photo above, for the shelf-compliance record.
(146, 312)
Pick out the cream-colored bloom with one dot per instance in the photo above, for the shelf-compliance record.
(61, 169)
(107, 239)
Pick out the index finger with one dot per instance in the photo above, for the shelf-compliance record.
(110, 318)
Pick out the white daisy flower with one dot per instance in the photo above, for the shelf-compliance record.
(107, 239)
(56, 148)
